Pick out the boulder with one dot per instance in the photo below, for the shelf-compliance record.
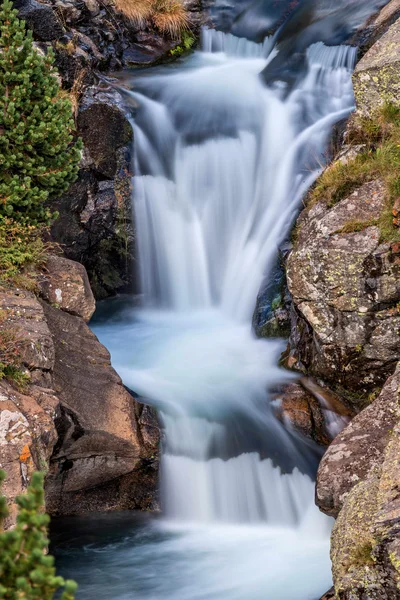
(149, 48)
(27, 437)
(41, 19)
(24, 316)
(102, 460)
(311, 410)
(377, 25)
(74, 419)
(377, 76)
(345, 286)
(66, 285)
(359, 449)
(364, 470)
(299, 411)
(103, 123)
(329, 595)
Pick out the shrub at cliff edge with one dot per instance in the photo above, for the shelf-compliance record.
(38, 156)
(25, 570)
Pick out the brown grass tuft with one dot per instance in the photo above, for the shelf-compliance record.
(170, 17)
(136, 10)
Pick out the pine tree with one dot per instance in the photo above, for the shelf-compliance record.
(38, 156)
(25, 570)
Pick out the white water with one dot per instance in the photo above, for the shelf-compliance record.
(222, 163)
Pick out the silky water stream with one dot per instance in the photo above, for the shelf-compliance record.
(222, 161)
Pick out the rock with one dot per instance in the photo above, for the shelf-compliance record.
(27, 437)
(365, 543)
(330, 595)
(104, 126)
(95, 227)
(75, 420)
(377, 75)
(41, 19)
(315, 412)
(148, 51)
(377, 25)
(359, 449)
(271, 316)
(345, 286)
(67, 286)
(93, 8)
(25, 317)
(299, 411)
(102, 460)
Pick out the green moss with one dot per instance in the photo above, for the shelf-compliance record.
(354, 226)
(362, 555)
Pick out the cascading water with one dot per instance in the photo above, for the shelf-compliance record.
(222, 162)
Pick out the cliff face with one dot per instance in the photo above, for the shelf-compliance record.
(344, 278)
(74, 419)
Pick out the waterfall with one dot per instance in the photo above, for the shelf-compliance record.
(222, 162)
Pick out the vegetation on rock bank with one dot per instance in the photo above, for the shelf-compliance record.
(25, 570)
(378, 158)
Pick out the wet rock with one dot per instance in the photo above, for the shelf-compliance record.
(314, 411)
(345, 286)
(359, 449)
(104, 126)
(96, 228)
(377, 26)
(330, 595)
(271, 316)
(376, 77)
(299, 411)
(67, 286)
(41, 19)
(148, 49)
(102, 460)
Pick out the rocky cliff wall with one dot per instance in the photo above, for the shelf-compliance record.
(73, 419)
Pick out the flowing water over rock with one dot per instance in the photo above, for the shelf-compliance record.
(222, 162)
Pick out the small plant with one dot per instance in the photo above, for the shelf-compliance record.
(187, 44)
(38, 155)
(22, 253)
(25, 570)
(11, 339)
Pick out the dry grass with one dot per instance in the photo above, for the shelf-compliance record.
(136, 10)
(171, 18)
(168, 16)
